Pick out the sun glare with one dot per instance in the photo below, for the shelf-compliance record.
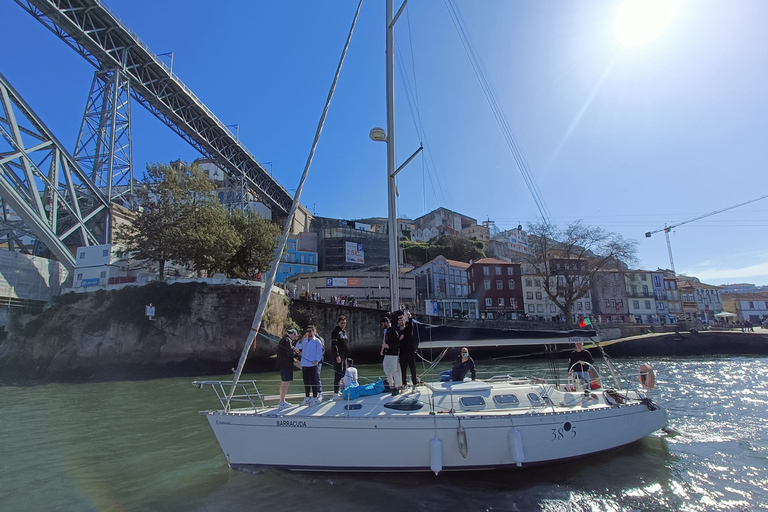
(639, 21)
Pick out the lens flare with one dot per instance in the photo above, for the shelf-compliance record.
(640, 21)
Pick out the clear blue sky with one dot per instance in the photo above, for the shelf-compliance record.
(623, 136)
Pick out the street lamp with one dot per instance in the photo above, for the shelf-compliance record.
(378, 135)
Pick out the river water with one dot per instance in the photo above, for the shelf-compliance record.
(141, 446)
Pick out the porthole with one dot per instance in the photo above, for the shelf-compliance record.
(510, 399)
(472, 401)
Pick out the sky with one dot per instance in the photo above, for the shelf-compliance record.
(623, 125)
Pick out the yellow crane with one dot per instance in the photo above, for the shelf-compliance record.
(666, 229)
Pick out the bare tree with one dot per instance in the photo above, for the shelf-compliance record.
(568, 260)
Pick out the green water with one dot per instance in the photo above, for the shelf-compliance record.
(141, 446)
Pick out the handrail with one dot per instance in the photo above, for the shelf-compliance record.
(250, 392)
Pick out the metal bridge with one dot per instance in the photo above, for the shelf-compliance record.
(127, 68)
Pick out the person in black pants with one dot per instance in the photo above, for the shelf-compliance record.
(339, 341)
(407, 347)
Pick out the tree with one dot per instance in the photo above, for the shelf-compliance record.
(450, 246)
(209, 240)
(259, 241)
(568, 260)
(155, 233)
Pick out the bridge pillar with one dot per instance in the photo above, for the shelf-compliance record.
(104, 146)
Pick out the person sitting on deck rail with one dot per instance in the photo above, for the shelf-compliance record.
(462, 365)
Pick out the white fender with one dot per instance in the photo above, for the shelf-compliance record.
(436, 455)
(516, 446)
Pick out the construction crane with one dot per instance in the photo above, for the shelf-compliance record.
(666, 229)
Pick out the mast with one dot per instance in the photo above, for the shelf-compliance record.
(394, 285)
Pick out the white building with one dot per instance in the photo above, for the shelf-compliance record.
(641, 296)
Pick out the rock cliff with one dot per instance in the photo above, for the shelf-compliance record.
(198, 329)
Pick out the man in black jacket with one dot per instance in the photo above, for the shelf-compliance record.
(407, 347)
(285, 355)
(339, 341)
(463, 364)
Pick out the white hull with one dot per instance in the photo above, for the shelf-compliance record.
(327, 437)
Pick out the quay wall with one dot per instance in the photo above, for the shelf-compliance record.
(200, 329)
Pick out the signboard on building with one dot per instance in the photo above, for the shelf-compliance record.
(355, 253)
(362, 227)
(336, 281)
(90, 282)
(353, 281)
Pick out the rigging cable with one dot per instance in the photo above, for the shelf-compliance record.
(267, 289)
(490, 96)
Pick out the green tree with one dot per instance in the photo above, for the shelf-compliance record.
(208, 238)
(569, 260)
(450, 246)
(155, 233)
(259, 241)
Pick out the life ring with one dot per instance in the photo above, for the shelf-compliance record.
(646, 376)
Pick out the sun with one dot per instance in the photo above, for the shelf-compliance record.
(639, 21)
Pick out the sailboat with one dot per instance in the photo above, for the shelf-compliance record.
(499, 422)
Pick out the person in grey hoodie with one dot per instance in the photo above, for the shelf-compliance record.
(311, 356)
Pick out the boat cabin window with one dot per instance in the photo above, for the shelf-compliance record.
(510, 399)
(534, 399)
(353, 407)
(405, 404)
(472, 401)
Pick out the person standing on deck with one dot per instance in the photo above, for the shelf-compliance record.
(575, 365)
(390, 349)
(339, 341)
(407, 348)
(311, 357)
(285, 354)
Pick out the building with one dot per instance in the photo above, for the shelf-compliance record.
(641, 298)
(440, 222)
(515, 240)
(442, 288)
(369, 286)
(706, 297)
(295, 260)
(609, 293)
(748, 306)
(498, 288)
(477, 232)
(349, 245)
(672, 296)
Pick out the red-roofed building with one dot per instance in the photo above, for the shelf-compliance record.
(497, 286)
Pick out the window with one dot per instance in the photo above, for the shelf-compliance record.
(82, 255)
(531, 308)
(534, 398)
(498, 271)
(587, 305)
(506, 399)
(647, 304)
(660, 306)
(607, 303)
(511, 284)
(529, 295)
(105, 252)
(538, 295)
(103, 274)
(510, 271)
(537, 282)
(657, 281)
(642, 277)
(551, 308)
(645, 289)
(636, 304)
(472, 401)
(620, 303)
(487, 284)
(79, 277)
(486, 271)
(488, 302)
(540, 308)
(501, 301)
(578, 306)
(528, 282)
(751, 305)
(499, 284)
